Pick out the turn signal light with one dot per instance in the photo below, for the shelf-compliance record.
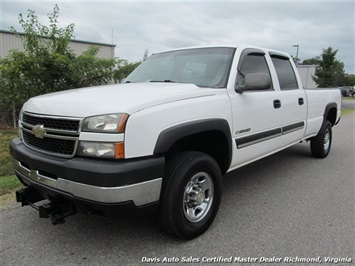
(119, 150)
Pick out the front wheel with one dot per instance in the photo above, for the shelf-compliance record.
(321, 144)
(191, 194)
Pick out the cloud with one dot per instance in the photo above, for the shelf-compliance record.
(156, 26)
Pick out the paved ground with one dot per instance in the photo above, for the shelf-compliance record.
(348, 103)
(287, 205)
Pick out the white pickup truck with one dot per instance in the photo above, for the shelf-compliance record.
(163, 140)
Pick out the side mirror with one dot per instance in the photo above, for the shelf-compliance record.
(255, 81)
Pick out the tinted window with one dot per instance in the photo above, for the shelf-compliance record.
(252, 63)
(285, 74)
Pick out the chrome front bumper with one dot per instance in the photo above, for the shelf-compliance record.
(142, 193)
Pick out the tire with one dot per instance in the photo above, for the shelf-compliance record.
(321, 144)
(191, 195)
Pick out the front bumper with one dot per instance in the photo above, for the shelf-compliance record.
(86, 181)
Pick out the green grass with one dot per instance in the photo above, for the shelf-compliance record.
(8, 184)
(345, 111)
(349, 98)
(5, 160)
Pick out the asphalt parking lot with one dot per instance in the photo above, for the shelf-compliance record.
(288, 205)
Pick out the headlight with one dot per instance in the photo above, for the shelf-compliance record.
(112, 123)
(101, 149)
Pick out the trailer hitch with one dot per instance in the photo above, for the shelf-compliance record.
(57, 209)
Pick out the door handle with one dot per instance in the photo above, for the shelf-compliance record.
(300, 101)
(277, 104)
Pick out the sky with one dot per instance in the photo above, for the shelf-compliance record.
(136, 26)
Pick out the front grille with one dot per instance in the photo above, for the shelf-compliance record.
(59, 134)
(53, 123)
(58, 146)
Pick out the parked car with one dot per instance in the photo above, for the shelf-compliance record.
(346, 91)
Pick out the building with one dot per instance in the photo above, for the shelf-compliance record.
(10, 40)
(306, 73)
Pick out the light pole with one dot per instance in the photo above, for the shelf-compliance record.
(298, 47)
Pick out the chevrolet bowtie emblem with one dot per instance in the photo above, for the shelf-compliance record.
(39, 131)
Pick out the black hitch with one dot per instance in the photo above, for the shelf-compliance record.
(28, 196)
(57, 210)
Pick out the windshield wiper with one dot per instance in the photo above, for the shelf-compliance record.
(166, 80)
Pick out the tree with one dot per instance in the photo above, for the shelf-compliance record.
(145, 55)
(351, 80)
(47, 64)
(311, 61)
(124, 68)
(330, 71)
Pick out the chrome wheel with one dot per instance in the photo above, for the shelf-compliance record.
(198, 197)
(326, 140)
(321, 144)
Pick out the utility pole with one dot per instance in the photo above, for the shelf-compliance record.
(298, 47)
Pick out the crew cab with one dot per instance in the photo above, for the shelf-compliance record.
(162, 141)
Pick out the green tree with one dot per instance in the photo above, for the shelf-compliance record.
(145, 55)
(124, 68)
(330, 71)
(311, 61)
(47, 64)
(351, 80)
(89, 70)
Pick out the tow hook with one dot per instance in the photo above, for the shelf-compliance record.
(56, 210)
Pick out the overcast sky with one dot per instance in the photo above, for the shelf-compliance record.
(161, 25)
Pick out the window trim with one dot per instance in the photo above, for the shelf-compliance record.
(255, 51)
(286, 58)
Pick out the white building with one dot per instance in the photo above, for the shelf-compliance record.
(306, 72)
(9, 41)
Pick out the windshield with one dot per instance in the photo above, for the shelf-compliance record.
(204, 67)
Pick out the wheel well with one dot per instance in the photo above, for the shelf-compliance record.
(213, 143)
(332, 116)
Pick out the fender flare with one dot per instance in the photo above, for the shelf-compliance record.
(171, 135)
(327, 109)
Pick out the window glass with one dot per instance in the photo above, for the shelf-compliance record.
(204, 67)
(252, 63)
(285, 74)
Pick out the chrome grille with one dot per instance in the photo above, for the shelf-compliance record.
(58, 146)
(59, 134)
(53, 123)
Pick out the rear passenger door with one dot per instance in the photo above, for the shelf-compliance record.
(293, 100)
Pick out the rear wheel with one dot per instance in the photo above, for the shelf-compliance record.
(191, 194)
(321, 144)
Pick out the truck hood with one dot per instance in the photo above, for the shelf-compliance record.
(118, 98)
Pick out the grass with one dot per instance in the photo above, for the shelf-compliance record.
(345, 111)
(349, 98)
(5, 160)
(8, 184)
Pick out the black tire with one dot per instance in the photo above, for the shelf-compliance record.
(321, 144)
(191, 195)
